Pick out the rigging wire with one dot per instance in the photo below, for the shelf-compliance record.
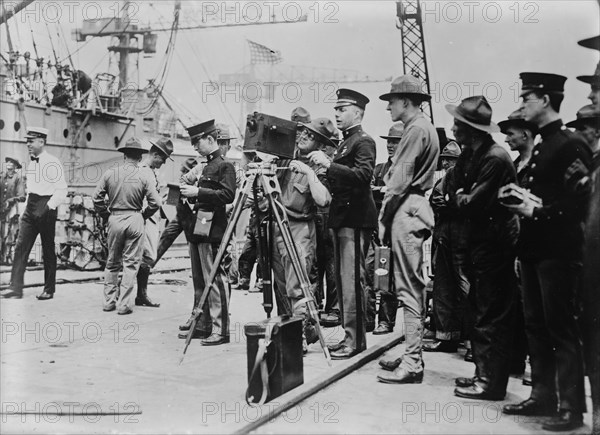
(106, 53)
(208, 76)
(181, 108)
(52, 45)
(35, 50)
(176, 111)
(160, 80)
(206, 72)
(19, 45)
(100, 31)
(59, 32)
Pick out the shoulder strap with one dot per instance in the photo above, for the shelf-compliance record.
(260, 362)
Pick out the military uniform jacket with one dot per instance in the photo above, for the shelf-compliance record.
(378, 175)
(350, 173)
(555, 230)
(11, 188)
(481, 174)
(216, 188)
(295, 190)
(449, 225)
(127, 187)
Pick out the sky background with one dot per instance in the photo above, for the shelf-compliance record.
(473, 48)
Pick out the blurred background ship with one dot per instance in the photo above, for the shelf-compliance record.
(89, 115)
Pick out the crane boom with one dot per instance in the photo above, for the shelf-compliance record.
(414, 59)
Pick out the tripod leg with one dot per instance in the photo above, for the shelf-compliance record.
(235, 216)
(271, 187)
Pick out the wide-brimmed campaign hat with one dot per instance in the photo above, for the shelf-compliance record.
(223, 132)
(593, 79)
(324, 129)
(37, 132)
(593, 42)
(395, 132)
(13, 161)
(300, 115)
(133, 143)
(164, 145)
(587, 115)
(406, 85)
(516, 119)
(189, 164)
(476, 112)
(451, 150)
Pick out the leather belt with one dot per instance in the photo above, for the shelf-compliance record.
(415, 191)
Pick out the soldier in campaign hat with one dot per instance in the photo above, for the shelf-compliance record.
(300, 115)
(594, 81)
(419, 150)
(46, 188)
(15, 162)
(160, 151)
(174, 228)
(303, 189)
(223, 138)
(550, 253)
(481, 170)
(210, 192)
(126, 197)
(588, 124)
(352, 215)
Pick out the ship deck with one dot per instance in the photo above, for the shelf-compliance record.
(69, 367)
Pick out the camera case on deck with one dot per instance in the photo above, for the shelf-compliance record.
(383, 277)
(283, 357)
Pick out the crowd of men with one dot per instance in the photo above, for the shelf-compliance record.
(514, 241)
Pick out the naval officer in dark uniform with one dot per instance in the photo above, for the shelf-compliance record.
(352, 215)
(214, 189)
(550, 250)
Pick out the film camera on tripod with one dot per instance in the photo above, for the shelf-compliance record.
(270, 135)
(280, 240)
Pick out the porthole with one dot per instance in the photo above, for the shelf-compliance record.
(88, 136)
(1, 124)
(66, 133)
(17, 126)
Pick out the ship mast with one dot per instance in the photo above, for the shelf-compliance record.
(8, 12)
(124, 48)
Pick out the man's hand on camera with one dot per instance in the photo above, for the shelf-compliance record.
(188, 191)
(300, 167)
(320, 158)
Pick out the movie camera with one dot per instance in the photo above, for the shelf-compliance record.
(271, 135)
